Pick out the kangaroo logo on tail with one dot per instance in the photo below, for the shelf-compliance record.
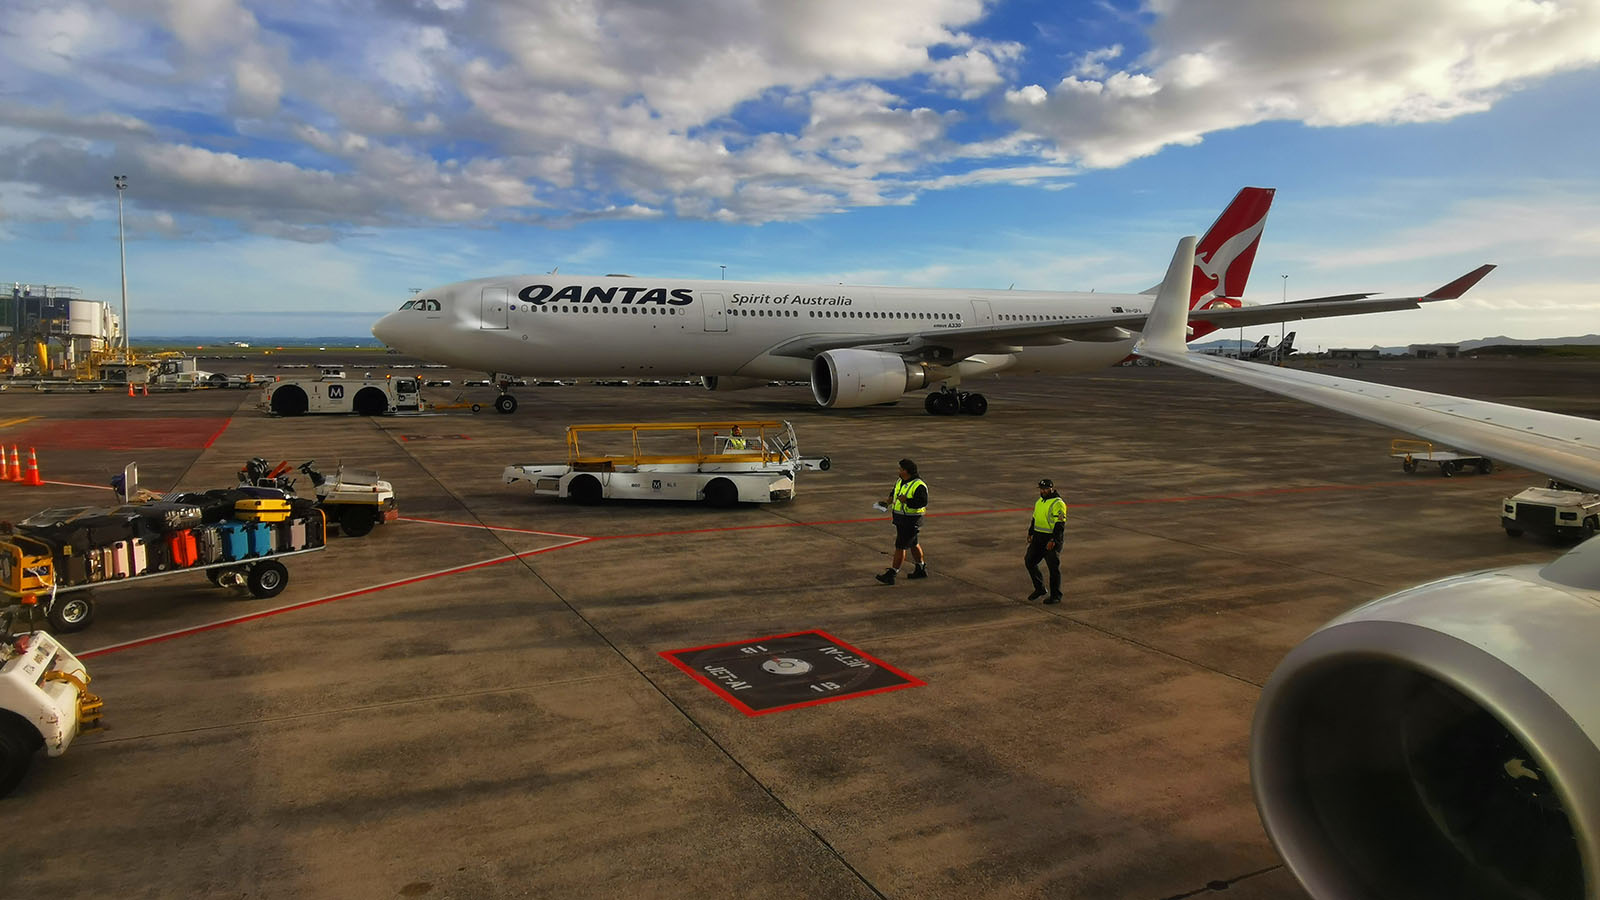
(1223, 257)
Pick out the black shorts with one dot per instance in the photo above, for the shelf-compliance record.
(905, 531)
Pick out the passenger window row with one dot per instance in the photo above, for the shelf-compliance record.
(619, 310)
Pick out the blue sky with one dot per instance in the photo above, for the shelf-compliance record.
(296, 167)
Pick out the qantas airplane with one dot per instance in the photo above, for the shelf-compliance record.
(858, 346)
(1441, 742)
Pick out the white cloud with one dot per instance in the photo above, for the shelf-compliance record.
(1219, 64)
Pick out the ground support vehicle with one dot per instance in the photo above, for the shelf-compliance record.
(330, 394)
(686, 461)
(354, 500)
(1414, 453)
(44, 700)
(1553, 512)
(240, 555)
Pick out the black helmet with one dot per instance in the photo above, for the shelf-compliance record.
(1046, 483)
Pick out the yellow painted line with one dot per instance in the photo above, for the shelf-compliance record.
(11, 422)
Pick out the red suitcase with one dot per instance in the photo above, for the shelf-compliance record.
(183, 547)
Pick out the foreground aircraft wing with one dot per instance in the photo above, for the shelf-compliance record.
(1566, 448)
(948, 344)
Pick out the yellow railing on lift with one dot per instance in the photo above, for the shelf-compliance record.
(755, 432)
(1406, 447)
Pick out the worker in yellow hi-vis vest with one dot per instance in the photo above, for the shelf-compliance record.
(1045, 533)
(908, 500)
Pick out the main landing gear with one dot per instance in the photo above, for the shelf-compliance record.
(947, 401)
(504, 404)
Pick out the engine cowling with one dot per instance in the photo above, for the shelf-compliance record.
(1442, 742)
(849, 378)
(729, 382)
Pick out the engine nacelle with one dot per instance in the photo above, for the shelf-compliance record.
(847, 378)
(729, 382)
(1443, 742)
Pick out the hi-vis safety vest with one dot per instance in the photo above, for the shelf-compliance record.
(1047, 511)
(902, 497)
(735, 442)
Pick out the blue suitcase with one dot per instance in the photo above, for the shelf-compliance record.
(235, 540)
(260, 537)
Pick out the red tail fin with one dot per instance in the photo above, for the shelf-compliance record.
(1223, 257)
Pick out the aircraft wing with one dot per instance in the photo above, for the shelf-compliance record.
(1566, 448)
(951, 344)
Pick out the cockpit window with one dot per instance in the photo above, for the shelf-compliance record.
(428, 305)
(407, 304)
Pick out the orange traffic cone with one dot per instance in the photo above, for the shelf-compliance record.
(145, 389)
(32, 478)
(130, 389)
(5, 468)
(16, 465)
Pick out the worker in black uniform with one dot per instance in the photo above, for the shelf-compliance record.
(1045, 533)
(908, 501)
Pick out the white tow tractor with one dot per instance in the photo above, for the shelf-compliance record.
(1553, 512)
(338, 394)
(44, 700)
(356, 500)
(685, 461)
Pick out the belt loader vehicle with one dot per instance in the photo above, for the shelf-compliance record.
(686, 461)
(44, 700)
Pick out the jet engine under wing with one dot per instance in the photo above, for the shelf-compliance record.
(1563, 447)
(951, 344)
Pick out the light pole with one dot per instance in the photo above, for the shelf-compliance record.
(724, 272)
(121, 181)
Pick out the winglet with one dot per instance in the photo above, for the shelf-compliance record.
(1166, 326)
(1460, 286)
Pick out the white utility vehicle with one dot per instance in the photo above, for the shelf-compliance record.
(44, 700)
(356, 500)
(1556, 511)
(684, 461)
(338, 394)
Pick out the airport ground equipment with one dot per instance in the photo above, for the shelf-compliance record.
(355, 500)
(338, 394)
(1553, 512)
(683, 461)
(61, 555)
(1414, 453)
(44, 700)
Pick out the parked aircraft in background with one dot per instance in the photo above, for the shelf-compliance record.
(1259, 349)
(857, 346)
(1442, 742)
(1263, 350)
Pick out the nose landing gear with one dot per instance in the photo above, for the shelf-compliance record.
(504, 404)
(947, 401)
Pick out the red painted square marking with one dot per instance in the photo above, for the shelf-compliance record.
(122, 434)
(788, 671)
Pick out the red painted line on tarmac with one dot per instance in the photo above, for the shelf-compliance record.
(239, 620)
(213, 439)
(491, 527)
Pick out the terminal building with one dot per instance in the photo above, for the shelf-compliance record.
(51, 330)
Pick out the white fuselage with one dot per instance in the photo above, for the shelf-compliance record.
(593, 326)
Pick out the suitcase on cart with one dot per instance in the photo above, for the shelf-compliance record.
(208, 544)
(213, 508)
(164, 516)
(235, 538)
(182, 549)
(121, 559)
(297, 534)
(266, 509)
(138, 557)
(260, 538)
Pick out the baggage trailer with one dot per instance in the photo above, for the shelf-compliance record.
(44, 700)
(700, 462)
(243, 557)
(1413, 453)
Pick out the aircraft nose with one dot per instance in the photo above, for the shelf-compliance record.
(384, 330)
